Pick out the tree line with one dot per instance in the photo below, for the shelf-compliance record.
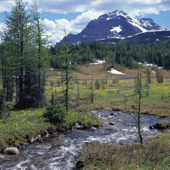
(123, 54)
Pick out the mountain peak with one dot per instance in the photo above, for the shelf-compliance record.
(114, 24)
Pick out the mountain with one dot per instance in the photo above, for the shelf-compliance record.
(141, 38)
(116, 24)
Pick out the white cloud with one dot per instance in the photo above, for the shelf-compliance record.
(146, 1)
(56, 28)
(90, 9)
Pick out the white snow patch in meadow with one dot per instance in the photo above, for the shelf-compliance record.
(98, 62)
(113, 71)
(140, 63)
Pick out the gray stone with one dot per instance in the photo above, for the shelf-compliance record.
(32, 140)
(111, 84)
(11, 150)
(113, 114)
(32, 167)
(118, 113)
(151, 127)
(128, 89)
(111, 128)
(2, 157)
(92, 128)
(47, 135)
(119, 91)
(77, 126)
(112, 123)
(40, 140)
(36, 138)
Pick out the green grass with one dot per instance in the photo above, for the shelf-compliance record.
(157, 103)
(153, 154)
(21, 125)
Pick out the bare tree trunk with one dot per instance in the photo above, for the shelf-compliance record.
(139, 119)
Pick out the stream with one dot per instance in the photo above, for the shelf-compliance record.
(61, 151)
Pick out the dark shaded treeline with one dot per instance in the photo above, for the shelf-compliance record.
(123, 54)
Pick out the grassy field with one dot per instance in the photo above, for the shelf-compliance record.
(21, 125)
(153, 154)
(156, 103)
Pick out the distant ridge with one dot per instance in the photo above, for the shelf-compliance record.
(116, 24)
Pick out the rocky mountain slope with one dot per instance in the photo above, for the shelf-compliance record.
(116, 24)
(141, 38)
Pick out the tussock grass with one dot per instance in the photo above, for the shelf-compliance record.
(153, 154)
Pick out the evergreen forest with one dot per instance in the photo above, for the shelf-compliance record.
(123, 54)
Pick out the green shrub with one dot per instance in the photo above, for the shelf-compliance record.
(115, 81)
(55, 114)
(97, 84)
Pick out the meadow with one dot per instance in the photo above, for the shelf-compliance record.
(21, 125)
(155, 152)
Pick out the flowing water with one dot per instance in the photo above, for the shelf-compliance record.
(61, 150)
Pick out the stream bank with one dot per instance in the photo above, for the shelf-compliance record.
(61, 150)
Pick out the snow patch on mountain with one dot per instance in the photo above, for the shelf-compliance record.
(116, 29)
(115, 14)
(135, 23)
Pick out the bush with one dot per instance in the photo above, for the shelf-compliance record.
(97, 84)
(55, 114)
(115, 81)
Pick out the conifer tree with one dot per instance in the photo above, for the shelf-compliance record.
(67, 56)
(25, 53)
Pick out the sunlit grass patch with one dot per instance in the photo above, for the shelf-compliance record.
(21, 125)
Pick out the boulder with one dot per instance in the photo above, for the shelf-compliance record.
(77, 126)
(92, 128)
(32, 140)
(111, 85)
(2, 157)
(111, 128)
(47, 135)
(11, 151)
(128, 89)
(119, 91)
(151, 127)
(32, 167)
(112, 123)
(40, 140)
(118, 113)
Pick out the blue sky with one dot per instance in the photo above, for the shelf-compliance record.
(74, 15)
